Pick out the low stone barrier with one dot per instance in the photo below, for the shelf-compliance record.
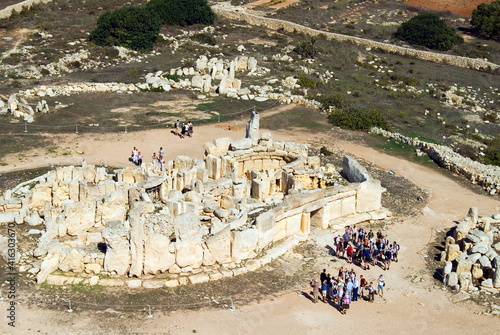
(487, 176)
(18, 7)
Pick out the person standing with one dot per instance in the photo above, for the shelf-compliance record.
(324, 290)
(362, 285)
(380, 285)
(346, 302)
(315, 287)
(371, 292)
(355, 288)
(161, 153)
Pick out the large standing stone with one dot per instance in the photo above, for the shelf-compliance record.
(117, 258)
(137, 221)
(473, 215)
(452, 251)
(265, 227)
(244, 244)
(49, 265)
(464, 265)
(219, 245)
(465, 280)
(252, 130)
(354, 172)
(452, 279)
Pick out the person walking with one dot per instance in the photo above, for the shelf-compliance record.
(371, 292)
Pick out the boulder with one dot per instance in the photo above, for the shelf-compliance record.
(452, 251)
(242, 144)
(157, 256)
(452, 279)
(481, 248)
(465, 280)
(461, 231)
(49, 265)
(72, 262)
(477, 271)
(244, 244)
(189, 254)
(464, 265)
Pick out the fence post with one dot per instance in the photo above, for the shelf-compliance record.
(125, 129)
(25, 127)
(76, 129)
(150, 315)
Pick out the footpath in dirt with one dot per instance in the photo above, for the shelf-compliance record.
(407, 307)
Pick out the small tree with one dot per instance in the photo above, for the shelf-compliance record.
(131, 27)
(308, 49)
(486, 20)
(428, 30)
(182, 12)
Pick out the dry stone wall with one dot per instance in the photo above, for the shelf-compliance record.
(276, 24)
(193, 221)
(18, 7)
(487, 176)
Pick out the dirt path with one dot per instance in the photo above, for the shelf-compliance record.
(407, 308)
(20, 36)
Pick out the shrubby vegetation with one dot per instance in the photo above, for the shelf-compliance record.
(182, 12)
(492, 153)
(357, 118)
(486, 20)
(343, 115)
(137, 28)
(428, 30)
(130, 27)
(308, 49)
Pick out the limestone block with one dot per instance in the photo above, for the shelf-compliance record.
(93, 268)
(461, 231)
(481, 248)
(452, 251)
(473, 214)
(117, 258)
(464, 265)
(477, 271)
(242, 144)
(171, 283)
(219, 245)
(199, 278)
(474, 257)
(183, 162)
(157, 257)
(42, 193)
(279, 230)
(253, 264)
(354, 172)
(369, 196)
(293, 224)
(452, 279)
(320, 218)
(449, 240)
(244, 244)
(348, 206)
(447, 268)
(496, 278)
(111, 207)
(485, 262)
(488, 283)
(49, 264)
(174, 269)
(93, 238)
(72, 262)
(189, 254)
(188, 228)
(133, 283)
(302, 198)
(153, 283)
(265, 224)
(208, 259)
(58, 280)
(465, 280)
(33, 220)
(226, 273)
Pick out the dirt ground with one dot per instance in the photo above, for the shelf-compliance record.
(408, 307)
(462, 7)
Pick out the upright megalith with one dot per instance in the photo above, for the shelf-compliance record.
(253, 128)
(117, 259)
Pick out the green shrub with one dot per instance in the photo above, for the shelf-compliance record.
(173, 77)
(308, 49)
(428, 30)
(306, 82)
(486, 20)
(204, 38)
(357, 119)
(182, 12)
(492, 153)
(130, 27)
(334, 100)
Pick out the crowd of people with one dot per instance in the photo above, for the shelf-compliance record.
(366, 248)
(345, 288)
(359, 247)
(181, 129)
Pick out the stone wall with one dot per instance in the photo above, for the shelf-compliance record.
(193, 221)
(275, 24)
(7, 12)
(487, 176)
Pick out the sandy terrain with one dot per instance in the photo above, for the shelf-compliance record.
(462, 7)
(407, 307)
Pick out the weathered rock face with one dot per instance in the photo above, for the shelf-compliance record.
(117, 259)
(157, 255)
(252, 131)
(219, 245)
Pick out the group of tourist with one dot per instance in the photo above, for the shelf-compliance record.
(345, 288)
(136, 158)
(183, 129)
(366, 248)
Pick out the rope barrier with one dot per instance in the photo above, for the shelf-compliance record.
(26, 128)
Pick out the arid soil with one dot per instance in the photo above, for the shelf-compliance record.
(462, 7)
(414, 302)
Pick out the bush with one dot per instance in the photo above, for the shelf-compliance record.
(486, 20)
(130, 27)
(492, 153)
(357, 119)
(428, 30)
(205, 39)
(182, 12)
(308, 49)
(306, 82)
